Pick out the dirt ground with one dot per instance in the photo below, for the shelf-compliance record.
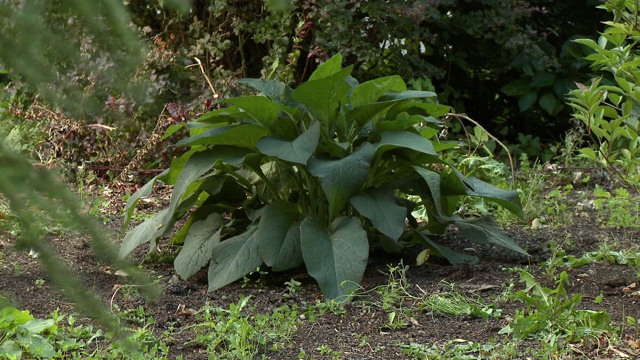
(19, 275)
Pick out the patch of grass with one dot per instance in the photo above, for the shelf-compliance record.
(400, 300)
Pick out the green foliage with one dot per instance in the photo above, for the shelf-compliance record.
(59, 337)
(35, 47)
(239, 332)
(552, 314)
(310, 176)
(610, 111)
(75, 75)
(21, 333)
(619, 209)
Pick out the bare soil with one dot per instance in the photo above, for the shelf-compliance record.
(19, 275)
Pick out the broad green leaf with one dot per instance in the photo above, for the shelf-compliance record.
(543, 79)
(404, 139)
(526, 100)
(379, 206)
(368, 114)
(472, 186)
(243, 135)
(335, 257)
(11, 315)
(263, 111)
(197, 249)
(172, 129)
(278, 236)
(549, 103)
(516, 88)
(370, 91)
(297, 151)
(408, 94)
(227, 115)
(454, 257)
(11, 349)
(151, 229)
(135, 197)
(342, 178)
(36, 326)
(162, 223)
(485, 230)
(328, 68)
(273, 89)
(322, 97)
(402, 122)
(418, 108)
(233, 258)
(36, 345)
(432, 179)
(508, 199)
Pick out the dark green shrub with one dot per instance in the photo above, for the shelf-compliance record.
(311, 176)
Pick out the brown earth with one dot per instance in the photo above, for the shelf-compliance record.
(364, 319)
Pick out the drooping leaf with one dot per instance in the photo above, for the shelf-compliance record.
(509, 199)
(336, 257)
(162, 223)
(273, 89)
(342, 178)
(233, 258)
(197, 249)
(454, 257)
(432, 179)
(456, 184)
(402, 122)
(297, 151)
(485, 230)
(367, 114)
(405, 139)
(150, 229)
(379, 206)
(370, 91)
(261, 110)
(243, 135)
(135, 197)
(408, 94)
(278, 236)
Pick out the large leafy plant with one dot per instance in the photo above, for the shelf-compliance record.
(312, 176)
(611, 111)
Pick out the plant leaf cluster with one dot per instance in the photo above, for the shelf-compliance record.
(552, 312)
(611, 111)
(312, 176)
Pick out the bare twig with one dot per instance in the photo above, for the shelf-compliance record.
(213, 90)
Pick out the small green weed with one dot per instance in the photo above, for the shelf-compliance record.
(608, 253)
(618, 210)
(239, 332)
(458, 349)
(551, 314)
(555, 211)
